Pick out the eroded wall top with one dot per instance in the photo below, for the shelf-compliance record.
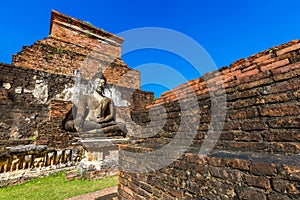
(74, 45)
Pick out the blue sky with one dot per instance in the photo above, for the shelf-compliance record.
(227, 29)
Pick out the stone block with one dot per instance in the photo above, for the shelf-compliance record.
(246, 193)
(275, 65)
(258, 181)
(279, 110)
(263, 168)
(254, 126)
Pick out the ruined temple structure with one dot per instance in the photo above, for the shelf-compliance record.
(233, 133)
(39, 87)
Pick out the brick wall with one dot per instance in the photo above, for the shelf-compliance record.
(35, 103)
(41, 75)
(74, 45)
(257, 153)
(25, 97)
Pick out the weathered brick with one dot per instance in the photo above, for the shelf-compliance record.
(291, 122)
(256, 77)
(286, 187)
(254, 136)
(263, 168)
(251, 193)
(288, 75)
(239, 145)
(278, 197)
(217, 189)
(297, 94)
(243, 103)
(279, 110)
(236, 163)
(257, 83)
(230, 76)
(244, 94)
(288, 49)
(260, 58)
(228, 175)
(156, 192)
(213, 161)
(230, 135)
(283, 86)
(249, 67)
(254, 126)
(166, 197)
(257, 181)
(266, 62)
(243, 114)
(123, 181)
(193, 187)
(284, 135)
(123, 194)
(275, 65)
(237, 64)
(194, 158)
(285, 69)
(273, 98)
(288, 147)
(248, 73)
(291, 172)
(128, 190)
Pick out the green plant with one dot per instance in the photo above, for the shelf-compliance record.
(81, 58)
(89, 35)
(69, 19)
(89, 23)
(59, 51)
(48, 56)
(33, 138)
(272, 50)
(58, 69)
(55, 187)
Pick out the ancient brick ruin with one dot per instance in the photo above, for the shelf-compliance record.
(255, 157)
(37, 90)
(257, 153)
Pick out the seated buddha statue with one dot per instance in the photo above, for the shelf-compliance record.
(93, 111)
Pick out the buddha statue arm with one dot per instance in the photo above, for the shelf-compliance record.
(80, 112)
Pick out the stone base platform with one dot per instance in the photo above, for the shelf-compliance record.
(100, 156)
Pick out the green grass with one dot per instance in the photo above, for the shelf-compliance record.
(54, 187)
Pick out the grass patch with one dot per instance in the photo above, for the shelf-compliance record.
(54, 187)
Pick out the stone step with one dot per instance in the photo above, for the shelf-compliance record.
(92, 136)
(14, 142)
(26, 148)
(96, 145)
(104, 142)
(97, 149)
(104, 194)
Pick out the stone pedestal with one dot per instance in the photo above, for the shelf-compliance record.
(100, 157)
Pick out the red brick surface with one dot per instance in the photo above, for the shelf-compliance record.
(256, 155)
